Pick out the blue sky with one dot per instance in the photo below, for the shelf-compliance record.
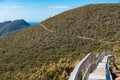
(38, 10)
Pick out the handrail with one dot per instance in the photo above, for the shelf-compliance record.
(81, 67)
(85, 66)
(102, 69)
(99, 57)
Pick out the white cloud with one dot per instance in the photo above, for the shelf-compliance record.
(11, 6)
(58, 7)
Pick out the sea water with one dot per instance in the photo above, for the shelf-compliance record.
(33, 23)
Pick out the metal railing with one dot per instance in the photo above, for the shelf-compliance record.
(86, 66)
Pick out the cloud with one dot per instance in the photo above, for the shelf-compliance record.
(11, 6)
(58, 7)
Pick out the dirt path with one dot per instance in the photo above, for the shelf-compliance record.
(100, 40)
(86, 38)
(46, 28)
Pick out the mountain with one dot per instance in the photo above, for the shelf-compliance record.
(9, 27)
(4, 23)
(51, 49)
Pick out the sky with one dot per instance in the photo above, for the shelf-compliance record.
(39, 10)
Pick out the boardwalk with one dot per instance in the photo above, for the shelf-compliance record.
(92, 67)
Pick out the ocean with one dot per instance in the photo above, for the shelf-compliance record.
(33, 23)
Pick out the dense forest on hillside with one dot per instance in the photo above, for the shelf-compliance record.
(51, 49)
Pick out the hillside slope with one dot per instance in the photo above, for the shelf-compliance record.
(10, 27)
(4, 23)
(50, 50)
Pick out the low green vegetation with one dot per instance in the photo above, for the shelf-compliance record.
(51, 52)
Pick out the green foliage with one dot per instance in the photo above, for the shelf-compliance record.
(36, 53)
(54, 71)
